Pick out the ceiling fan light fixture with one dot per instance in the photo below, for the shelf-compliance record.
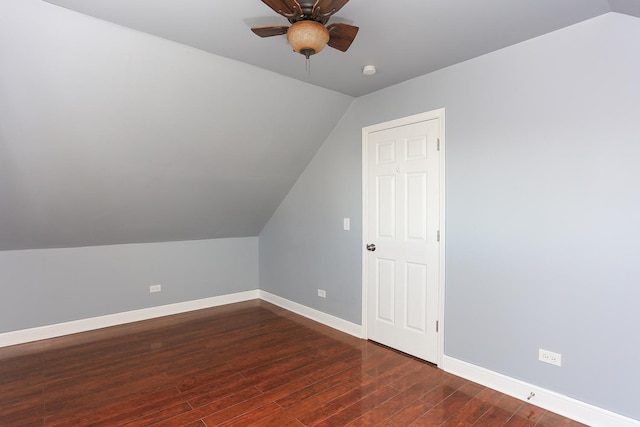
(307, 37)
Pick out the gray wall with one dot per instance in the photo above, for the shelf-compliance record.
(110, 136)
(303, 247)
(48, 286)
(543, 201)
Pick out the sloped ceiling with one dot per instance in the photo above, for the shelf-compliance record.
(111, 135)
(108, 135)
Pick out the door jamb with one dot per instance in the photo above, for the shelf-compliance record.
(430, 115)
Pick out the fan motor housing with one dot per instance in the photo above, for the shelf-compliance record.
(306, 12)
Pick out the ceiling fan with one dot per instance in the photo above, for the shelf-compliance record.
(308, 34)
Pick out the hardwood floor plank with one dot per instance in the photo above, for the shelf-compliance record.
(254, 415)
(199, 413)
(553, 420)
(474, 409)
(207, 378)
(125, 410)
(340, 402)
(324, 388)
(312, 373)
(499, 414)
(394, 405)
(450, 406)
(526, 416)
(250, 363)
(209, 394)
(439, 393)
(18, 392)
(317, 395)
(417, 373)
(235, 411)
(278, 368)
(22, 413)
(392, 372)
(356, 409)
(133, 419)
(292, 423)
(227, 401)
(407, 415)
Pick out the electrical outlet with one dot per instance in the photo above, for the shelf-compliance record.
(346, 224)
(322, 293)
(155, 288)
(547, 356)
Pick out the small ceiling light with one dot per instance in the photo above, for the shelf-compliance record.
(369, 70)
(307, 37)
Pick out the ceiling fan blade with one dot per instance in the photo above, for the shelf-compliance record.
(326, 8)
(286, 8)
(270, 31)
(341, 35)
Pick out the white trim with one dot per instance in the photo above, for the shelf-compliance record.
(83, 325)
(403, 121)
(421, 117)
(443, 238)
(546, 399)
(365, 227)
(310, 313)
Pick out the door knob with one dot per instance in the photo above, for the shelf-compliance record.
(371, 247)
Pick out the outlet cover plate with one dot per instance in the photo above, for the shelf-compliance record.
(550, 357)
(155, 288)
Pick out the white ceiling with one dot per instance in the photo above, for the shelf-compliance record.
(403, 39)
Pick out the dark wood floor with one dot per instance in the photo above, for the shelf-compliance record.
(243, 364)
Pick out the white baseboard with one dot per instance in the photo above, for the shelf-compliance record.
(83, 325)
(318, 316)
(546, 399)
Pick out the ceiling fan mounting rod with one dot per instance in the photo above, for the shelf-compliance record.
(297, 13)
(311, 12)
(320, 15)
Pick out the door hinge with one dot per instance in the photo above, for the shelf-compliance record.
(438, 144)
(437, 325)
(438, 235)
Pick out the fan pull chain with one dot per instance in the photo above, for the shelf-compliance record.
(307, 52)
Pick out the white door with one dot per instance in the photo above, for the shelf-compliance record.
(402, 220)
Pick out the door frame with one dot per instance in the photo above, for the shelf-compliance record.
(421, 117)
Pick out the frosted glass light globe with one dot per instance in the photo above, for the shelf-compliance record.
(307, 37)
